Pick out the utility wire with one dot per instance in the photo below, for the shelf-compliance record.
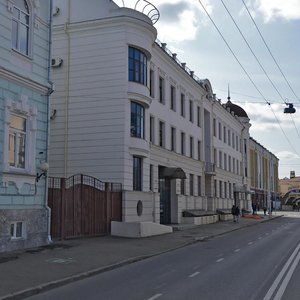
(248, 45)
(255, 86)
(268, 48)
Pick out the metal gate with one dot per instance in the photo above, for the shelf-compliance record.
(83, 206)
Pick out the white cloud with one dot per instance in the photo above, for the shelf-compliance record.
(287, 155)
(180, 20)
(272, 9)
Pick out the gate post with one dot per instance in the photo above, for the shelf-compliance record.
(62, 217)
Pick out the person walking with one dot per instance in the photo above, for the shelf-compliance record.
(233, 213)
(237, 213)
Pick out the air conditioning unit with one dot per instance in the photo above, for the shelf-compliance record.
(56, 62)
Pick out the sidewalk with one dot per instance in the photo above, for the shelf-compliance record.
(29, 272)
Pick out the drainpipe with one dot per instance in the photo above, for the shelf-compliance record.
(67, 90)
(49, 239)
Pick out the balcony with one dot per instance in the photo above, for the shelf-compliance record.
(210, 169)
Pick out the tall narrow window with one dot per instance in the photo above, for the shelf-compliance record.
(152, 129)
(173, 139)
(199, 185)
(199, 150)
(20, 27)
(182, 143)
(182, 186)
(137, 120)
(151, 178)
(161, 134)
(220, 189)
(161, 90)
(191, 147)
(215, 127)
(224, 134)
(220, 131)
(182, 105)
(229, 138)
(215, 187)
(137, 66)
(151, 83)
(220, 159)
(225, 161)
(191, 111)
(137, 173)
(17, 142)
(233, 145)
(191, 184)
(173, 98)
(198, 116)
(225, 189)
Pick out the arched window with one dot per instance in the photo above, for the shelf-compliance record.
(21, 26)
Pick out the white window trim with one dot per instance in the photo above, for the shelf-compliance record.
(11, 174)
(23, 234)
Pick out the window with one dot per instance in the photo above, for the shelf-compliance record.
(225, 189)
(173, 98)
(17, 142)
(215, 127)
(161, 134)
(199, 150)
(229, 138)
(191, 111)
(137, 120)
(173, 139)
(151, 178)
(225, 161)
(161, 90)
(191, 184)
(229, 163)
(198, 116)
(215, 157)
(17, 230)
(233, 146)
(215, 187)
(220, 159)
(233, 165)
(151, 83)
(152, 129)
(220, 189)
(220, 131)
(199, 185)
(182, 186)
(224, 134)
(137, 66)
(191, 147)
(182, 105)
(20, 27)
(229, 190)
(137, 173)
(182, 143)
(237, 143)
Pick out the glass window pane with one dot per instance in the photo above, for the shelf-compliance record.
(24, 18)
(11, 149)
(19, 229)
(15, 34)
(22, 4)
(21, 152)
(23, 38)
(18, 123)
(16, 13)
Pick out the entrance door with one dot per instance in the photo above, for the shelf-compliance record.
(165, 201)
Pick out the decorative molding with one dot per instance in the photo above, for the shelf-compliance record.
(10, 5)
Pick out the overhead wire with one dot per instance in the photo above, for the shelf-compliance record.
(269, 50)
(257, 60)
(245, 71)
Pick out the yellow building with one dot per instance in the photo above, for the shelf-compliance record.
(263, 176)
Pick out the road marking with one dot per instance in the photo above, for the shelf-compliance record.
(281, 274)
(237, 250)
(250, 243)
(219, 260)
(155, 297)
(194, 274)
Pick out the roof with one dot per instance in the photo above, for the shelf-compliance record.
(238, 111)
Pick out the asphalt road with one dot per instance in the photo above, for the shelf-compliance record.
(258, 262)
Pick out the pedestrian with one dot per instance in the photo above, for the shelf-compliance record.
(265, 210)
(237, 213)
(233, 213)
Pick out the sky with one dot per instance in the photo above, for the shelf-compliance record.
(263, 74)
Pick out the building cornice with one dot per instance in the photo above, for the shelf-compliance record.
(12, 76)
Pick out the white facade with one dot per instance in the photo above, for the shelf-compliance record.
(107, 120)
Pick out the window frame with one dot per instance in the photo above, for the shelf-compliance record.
(137, 178)
(137, 66)
(16, 34)
(137, 128)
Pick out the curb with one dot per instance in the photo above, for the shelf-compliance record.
(60, 282)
